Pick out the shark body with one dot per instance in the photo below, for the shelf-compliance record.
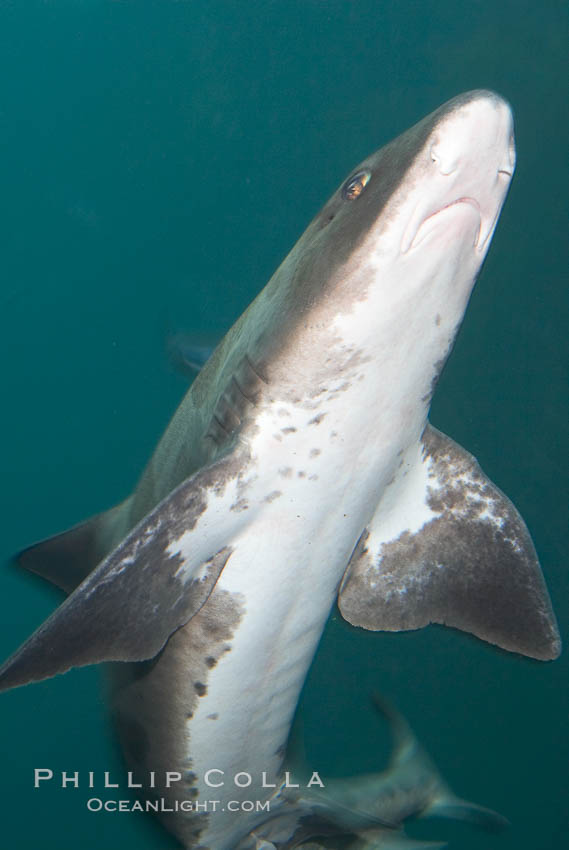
(300, 469)
(410, 787)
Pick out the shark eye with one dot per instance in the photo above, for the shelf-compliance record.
(353, 187)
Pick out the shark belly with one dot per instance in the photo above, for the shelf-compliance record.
(241, 726)
(284, 574)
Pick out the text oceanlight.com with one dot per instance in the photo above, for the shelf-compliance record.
(95, 804)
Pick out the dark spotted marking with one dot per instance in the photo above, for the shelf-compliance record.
(274, 494)
(314, 452)
(211, 661)
(240, 505)
(289, 430)
(213, 716)
(316, 420)
(286, 471)
(200, 689)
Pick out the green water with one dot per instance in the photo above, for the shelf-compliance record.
(158, 161)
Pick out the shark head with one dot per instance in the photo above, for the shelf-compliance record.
(444, 180)
(390, 261)
(464, 170)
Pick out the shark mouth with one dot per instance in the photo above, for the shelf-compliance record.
(420, 227)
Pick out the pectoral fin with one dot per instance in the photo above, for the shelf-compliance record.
(447, 546)
(148, 587)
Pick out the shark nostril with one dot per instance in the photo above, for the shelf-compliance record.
(445, 163)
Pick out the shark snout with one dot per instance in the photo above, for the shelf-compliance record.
(469, 159)
(477, 133)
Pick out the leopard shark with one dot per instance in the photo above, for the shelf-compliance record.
(300, 471)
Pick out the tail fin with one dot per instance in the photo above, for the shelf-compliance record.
(411, 767)
(373, 808)
(450, 806)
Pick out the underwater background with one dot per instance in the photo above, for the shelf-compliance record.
(159, 159)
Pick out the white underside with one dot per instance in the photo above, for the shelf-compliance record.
(286, 566)
(311, 491)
